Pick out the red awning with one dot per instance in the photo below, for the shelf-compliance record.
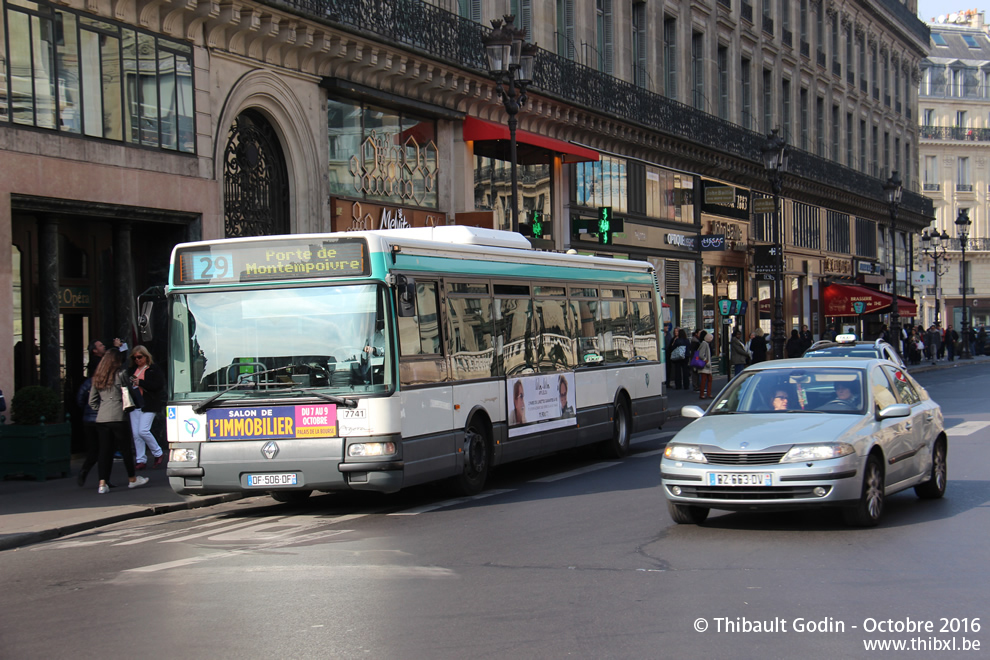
(478, 129)
(852, 300)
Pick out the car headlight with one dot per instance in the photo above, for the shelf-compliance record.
(819, 452)
(690, 453)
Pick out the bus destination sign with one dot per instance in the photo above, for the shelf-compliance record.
(272, 261)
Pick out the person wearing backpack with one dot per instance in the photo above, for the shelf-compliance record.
(679, 360)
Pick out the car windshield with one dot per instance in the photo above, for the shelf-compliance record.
(267, 342)
(805, 390)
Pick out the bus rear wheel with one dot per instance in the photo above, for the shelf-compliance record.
(618, 445)
(477, 460)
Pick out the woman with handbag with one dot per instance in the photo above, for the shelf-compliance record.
(148, 380)
(702, 361)
(114, 432)
(679, 360)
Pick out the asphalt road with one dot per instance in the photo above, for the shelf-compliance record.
(569, 556)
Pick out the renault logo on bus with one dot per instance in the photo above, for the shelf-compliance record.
(269, 450)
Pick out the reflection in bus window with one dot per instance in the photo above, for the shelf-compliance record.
(614, 329)
(516, 333)
(554, 347)
(589, 346)
(420, 334)
(644, 324)
(470, 322)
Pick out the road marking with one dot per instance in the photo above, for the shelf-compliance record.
(572, 473)
(440, 505)
(315, 536)
(966, 428)
(197, 535)
(155, 537)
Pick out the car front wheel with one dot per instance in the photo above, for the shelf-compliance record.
(869, 508)
(685, 514)
(934, 488)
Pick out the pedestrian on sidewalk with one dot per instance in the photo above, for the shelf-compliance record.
(150, 382)
(705, 372)
(757, 346)
(680, 367)
(113, 430)
(738, 355)
(89, 429)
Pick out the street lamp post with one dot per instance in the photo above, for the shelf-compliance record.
(933, 246)
(962, 227)
(510, 63)
(774, 152)
(893, 190)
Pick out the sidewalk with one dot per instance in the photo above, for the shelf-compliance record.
(34, 511)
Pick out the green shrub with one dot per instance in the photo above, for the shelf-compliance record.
(32, 403)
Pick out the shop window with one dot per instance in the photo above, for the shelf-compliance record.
(493, 190)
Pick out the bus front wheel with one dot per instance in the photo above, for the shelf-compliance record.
(477, 460)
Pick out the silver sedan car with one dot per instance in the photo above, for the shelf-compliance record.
(808, 432)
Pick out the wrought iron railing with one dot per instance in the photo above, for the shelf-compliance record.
(954, 133)
(851, 78)
(726, 3)
(932, 187)
(805, 49)
(907, 19)
(836, 69)
(972, 244)
(747, 11)
(964, 187)
(423, 27)
(946, 89)
(787, 37)
(768, 25)
(821, 58)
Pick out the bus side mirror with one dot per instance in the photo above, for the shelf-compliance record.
(406, 288)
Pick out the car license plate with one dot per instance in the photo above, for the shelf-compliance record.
(740, 479)
(287, 479)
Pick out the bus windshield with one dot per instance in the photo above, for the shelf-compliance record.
(263, 343)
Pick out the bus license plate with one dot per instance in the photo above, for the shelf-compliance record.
(740, 479)
(288, 479)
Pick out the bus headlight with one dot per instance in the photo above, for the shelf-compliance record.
(182, 456)
(371, 449)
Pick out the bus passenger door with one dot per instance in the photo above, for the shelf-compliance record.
(425, 390)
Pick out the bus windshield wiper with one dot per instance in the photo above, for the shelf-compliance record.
(243, 383)
(339, 400)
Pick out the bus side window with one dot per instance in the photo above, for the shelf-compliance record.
(555, 349)
(471, 334)
(420, 355)
(614, 327)
(589, 349)
(644, 324)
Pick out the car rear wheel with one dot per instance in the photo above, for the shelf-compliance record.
(685, 514)
(934, 488)
(869, 508)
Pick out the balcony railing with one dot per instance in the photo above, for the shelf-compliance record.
(787, 37)
(747, 11)
(876, 93)
(805, 49)
(768, 25)
(931, 187)
(821, 58)
(862, 85)
(726, 3)
(954, 133)
(444, 36)
(964, 187)
(897, 107)
(945, 89)
(886, 100)
(850, 78)
(972, 244)
(836, 69)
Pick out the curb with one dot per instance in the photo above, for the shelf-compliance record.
(14, 541)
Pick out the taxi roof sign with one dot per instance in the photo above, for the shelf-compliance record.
(845, 339)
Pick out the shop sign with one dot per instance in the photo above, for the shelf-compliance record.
(763, 205)
(74, 297)
(682, 241)
(359, 216)
(833, 266)
(728, 201)
(714, 243)
(869, 268)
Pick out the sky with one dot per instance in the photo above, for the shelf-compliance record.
(929, 9)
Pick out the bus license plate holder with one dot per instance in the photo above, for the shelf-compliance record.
(269, 480)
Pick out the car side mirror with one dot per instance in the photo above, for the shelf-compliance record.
(692, 412)
(893, 411)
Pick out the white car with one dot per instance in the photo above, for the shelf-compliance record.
(808, 432)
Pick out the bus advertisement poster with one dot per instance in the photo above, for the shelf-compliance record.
(272, 423)
(544, 401)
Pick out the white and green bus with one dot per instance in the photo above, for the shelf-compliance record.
(379, 360)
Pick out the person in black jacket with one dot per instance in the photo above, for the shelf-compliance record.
(150, 382)
(758, 346)
(793, 348)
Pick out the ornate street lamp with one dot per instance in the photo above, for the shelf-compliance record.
(774, 152)
(893, 190)
(933, 246)
(510, 64)
(962, 228)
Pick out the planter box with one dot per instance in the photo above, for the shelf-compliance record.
(37, 451)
